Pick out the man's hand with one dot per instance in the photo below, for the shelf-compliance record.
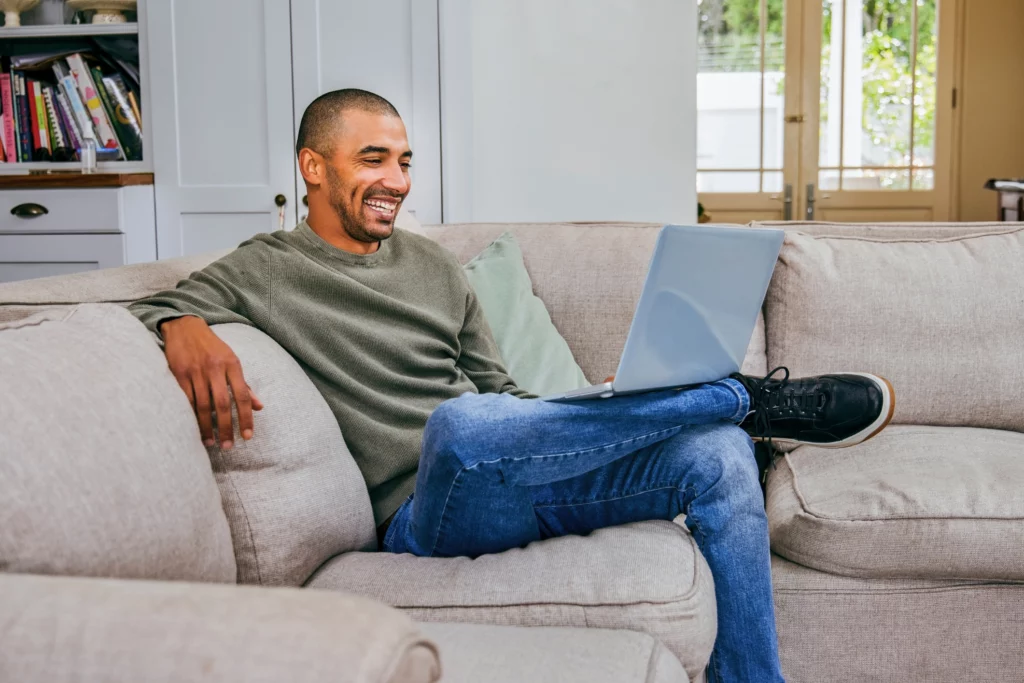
(205, 367)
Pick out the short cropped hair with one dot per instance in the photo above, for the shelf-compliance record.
(325, 114)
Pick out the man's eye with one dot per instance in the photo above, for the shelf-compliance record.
(406, 166)
(372, 161)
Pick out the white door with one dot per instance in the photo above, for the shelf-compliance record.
(222, 122)
(388, 47)
(575, 110)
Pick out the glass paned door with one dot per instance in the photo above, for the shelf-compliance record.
(743, 158)
(824, 109)
(874, 153)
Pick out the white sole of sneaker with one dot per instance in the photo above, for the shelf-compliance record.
(880, 423)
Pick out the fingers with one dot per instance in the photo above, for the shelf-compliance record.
(204, 408)
(222, 404)
(243, 399)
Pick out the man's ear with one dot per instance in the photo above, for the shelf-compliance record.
(312, 166)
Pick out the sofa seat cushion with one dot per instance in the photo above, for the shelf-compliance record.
(293, 494)
(647, 577)
(102, 471)
(940, 318)
(507, 654)
(838, 629)
(914, 502)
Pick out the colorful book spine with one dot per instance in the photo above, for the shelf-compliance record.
(129, 130)
(24, 120)
(86, 87)
(68, 119)
(135, 108)
(40, 130)
(3, 152)
(108, 108)
(57, 136)
(10, 121)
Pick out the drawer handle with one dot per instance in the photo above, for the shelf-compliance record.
(29, 210)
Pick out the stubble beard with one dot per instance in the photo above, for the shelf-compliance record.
(353, 224)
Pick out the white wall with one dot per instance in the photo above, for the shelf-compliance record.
(558, 110)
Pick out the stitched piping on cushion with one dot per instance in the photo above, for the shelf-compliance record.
(827, 566)
(248, 526)
(404, 647)
(965, 585)
(905, 240)
(4, 304)
(14, 324)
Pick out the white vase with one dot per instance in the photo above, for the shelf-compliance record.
(12, 10)
(107, 11)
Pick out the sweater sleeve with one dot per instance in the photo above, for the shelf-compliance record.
(234, 289)
(479, 357)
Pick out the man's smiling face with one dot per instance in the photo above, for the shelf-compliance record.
(368, 174)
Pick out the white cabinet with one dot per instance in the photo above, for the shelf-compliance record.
(221, 83)
(47, 232)
(388, 47)
(230, 80)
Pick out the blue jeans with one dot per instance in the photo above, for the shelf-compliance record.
(498, 472)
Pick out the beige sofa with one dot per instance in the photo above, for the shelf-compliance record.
(899, 560)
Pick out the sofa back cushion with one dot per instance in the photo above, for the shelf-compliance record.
(293, 495)
(589, 275)
(942, 319)
(102, 469)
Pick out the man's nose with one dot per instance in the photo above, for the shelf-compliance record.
(396, 179)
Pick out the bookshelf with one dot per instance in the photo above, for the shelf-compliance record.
(30, 39)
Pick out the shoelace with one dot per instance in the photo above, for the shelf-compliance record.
(760, 402)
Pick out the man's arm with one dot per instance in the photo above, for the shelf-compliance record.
(235, 289)
(480, 358)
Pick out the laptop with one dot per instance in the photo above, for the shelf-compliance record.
(697, 310)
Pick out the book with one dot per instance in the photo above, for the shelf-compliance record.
(24, 119)
(33, 119)
(57, 137)
(68, 119)
(129, 130)
(70, 91)
(10, 122)
(135, 108)
(3, 152)
(40, 128)
(87, 89)
(108, 107)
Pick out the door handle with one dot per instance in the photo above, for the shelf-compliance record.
(280, 200)
(787, 202)
(809, 213)
(29, 210)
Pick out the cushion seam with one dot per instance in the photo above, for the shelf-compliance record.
(946, 240)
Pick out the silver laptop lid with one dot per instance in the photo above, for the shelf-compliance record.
(699, 305)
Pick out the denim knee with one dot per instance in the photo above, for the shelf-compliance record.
(459, 426)
(727, 455)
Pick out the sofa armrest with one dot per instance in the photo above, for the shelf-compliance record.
(62, 629)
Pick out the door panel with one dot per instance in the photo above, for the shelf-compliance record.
(877, 110)
(222, 120)
(389, 47)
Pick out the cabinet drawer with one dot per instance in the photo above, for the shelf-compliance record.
(23, 257)
(71, 210)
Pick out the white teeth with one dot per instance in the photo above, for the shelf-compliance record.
(381, 206)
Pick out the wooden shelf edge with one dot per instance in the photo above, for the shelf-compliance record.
(39, 181)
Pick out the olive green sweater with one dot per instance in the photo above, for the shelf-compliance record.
(385, 337)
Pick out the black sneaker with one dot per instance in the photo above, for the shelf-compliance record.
(830, 411)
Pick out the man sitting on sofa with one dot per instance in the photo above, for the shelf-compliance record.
(386, 326)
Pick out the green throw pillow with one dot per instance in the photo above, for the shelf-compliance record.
(535, 354)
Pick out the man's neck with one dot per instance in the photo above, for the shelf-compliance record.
(334, 233)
